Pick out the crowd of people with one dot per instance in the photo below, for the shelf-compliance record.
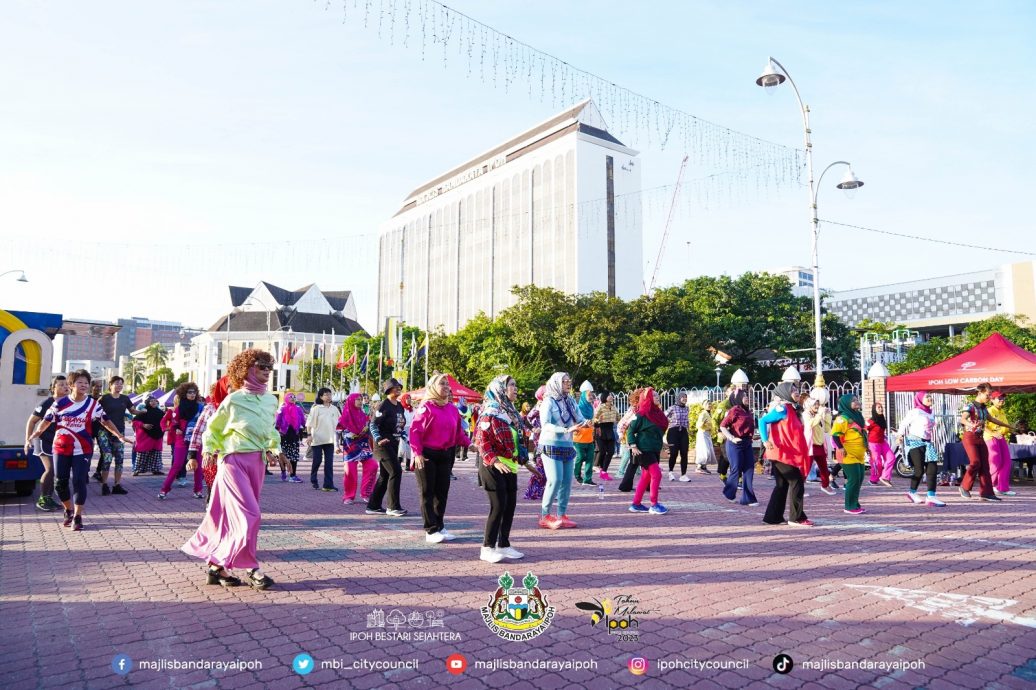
(230, 439)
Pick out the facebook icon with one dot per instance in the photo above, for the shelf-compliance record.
(122, 664)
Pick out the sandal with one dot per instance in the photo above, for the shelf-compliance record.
(218, 576)
(259, 582)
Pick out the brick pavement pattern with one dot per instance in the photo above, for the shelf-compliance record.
(952, 587)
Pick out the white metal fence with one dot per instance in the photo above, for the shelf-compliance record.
(945, 407)
(760, 395)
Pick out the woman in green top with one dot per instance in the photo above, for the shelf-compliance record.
(242, 434)
(644, 435)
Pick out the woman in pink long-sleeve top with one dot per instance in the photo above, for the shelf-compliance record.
(435, 432)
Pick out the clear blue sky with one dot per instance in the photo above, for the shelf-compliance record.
(201, 127)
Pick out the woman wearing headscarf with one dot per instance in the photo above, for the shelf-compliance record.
(437, 430)
(499, 441)
(147, 437)
(882, 458)
(704, 453)
(583, 437)
(738, 428)
(605, 417)
(915, 433)
(784, 437)
(184, 414)
(999, 450)
(678, 435)
(534, 491)
(644, 436)
(850, 437)
(290, 422)
(628, 469)
(559, 417)
(818, 426)
(241, 432)
(356, 450)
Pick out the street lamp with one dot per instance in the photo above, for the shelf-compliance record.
(20, 279)
(719, 370)
(774, 74)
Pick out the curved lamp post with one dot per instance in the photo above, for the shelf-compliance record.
(20, 279)
(774, 74)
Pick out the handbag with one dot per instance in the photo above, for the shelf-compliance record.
(309, 452)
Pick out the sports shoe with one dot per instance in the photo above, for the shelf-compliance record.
(752, 505)
(183, 482)
(914, 497)
(68, 518)
(934, 502)
(330, 488)
(828, 490)
(375, 511)
(490, 555)
(589, 482)
(658, 509)
(96, 476)
(672, 477)
(398, 512)
(105, 489)
(874, 482)
(43, 505)
(511, 553)
(685, 478)
(723, 477)
(1003, 493)
(284, 476)
(118, 490)
(77, 523)
(702, 469)
(548, 522)
(885, 483)
(198, 494)
(162, 495)
(964, 493)
(565, 522)
(434, 538)
(854, 511)
(294, 480)
(639, 508)
(349, 501)
(605, 476)
(316, 487)
(992, 499)
(805, 494)
(801, 523)
(834, 485)
(447, 536)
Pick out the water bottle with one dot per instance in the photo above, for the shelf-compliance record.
(600, 491)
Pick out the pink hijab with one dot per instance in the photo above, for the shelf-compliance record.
(290, 415)
(919, 402)
(647, 409)
(352, 420)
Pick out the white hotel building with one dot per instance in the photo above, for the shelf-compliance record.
(556, 206)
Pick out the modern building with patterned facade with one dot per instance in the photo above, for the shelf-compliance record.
(942, 305)
(556, 206)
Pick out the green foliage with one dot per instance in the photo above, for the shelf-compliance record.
(155, 356)
(161, 378)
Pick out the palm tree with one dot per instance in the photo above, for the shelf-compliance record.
(134, 374)
(155, 356)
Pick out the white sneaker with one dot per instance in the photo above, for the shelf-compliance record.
(447, 536)
(805, 494)
(672, 477)
(685, 478)
(435, 538)
(490, 555)
(915, 497)
(510, 552)
(1003, 493)
(828, 490)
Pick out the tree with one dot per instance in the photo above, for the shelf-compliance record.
(155, 356)
(133, 372)
(162, 377)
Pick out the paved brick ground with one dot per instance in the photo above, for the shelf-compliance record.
(953, 588)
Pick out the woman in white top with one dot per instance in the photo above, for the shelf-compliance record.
(915, 433)
(321, 425)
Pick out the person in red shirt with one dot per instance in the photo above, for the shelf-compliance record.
(882, 457)
(738, 427)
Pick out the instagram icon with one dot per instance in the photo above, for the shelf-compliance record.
(638, 665)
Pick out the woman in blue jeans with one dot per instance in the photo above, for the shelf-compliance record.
(559, 417)
(738, 427)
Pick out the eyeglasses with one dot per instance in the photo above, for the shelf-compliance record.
(192, 392)
(264, 367)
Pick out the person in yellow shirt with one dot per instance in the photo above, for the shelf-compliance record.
(850, 437)
(999, 451)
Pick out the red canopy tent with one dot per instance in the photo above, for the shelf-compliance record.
(995, 360)
(459, 391)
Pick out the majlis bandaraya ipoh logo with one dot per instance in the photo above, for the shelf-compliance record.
(518, 613)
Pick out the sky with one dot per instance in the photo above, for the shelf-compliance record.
(153, 153)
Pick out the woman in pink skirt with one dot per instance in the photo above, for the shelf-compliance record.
(242, 433)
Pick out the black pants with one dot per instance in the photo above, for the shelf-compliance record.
(626, 485)
(433, 480)
(502, 490)
(917, 460)
(78, 466)
(324, 453)
(722, 461)
(679, 442)
(787, 480)
(390, 474)
(604, 449)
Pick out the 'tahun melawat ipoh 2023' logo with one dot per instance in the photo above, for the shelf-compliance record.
(518, 613)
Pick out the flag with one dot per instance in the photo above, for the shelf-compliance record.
(423, 352)
(413, 350)
(286, 353)
(365, 360)
(343, 364)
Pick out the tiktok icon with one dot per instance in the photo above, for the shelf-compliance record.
(782, 663)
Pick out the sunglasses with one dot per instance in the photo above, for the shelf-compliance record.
(264, 367)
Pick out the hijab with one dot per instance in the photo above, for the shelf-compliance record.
(187, 407)
(919, 397)
(586, 408)
(431, 391)
(353, 419)
(555, 392)
(879, 419)
(647, 409)
(290, 415)
(498, 405)
(153, 416)
(220, 391)
(783, 392)
(845, 409)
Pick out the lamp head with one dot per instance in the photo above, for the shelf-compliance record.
(850, 181)
(22, 278)
(770, 76)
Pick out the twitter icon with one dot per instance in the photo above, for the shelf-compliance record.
(303, 664)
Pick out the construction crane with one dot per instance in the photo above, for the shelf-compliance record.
(668, 223)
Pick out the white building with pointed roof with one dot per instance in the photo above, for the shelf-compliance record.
(556, 206)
